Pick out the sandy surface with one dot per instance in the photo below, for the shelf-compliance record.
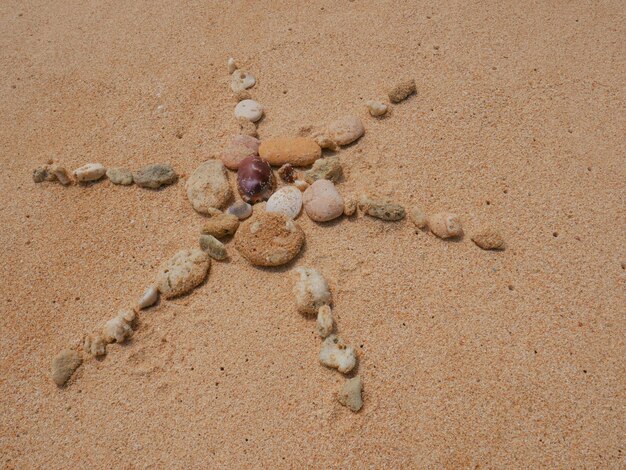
(468, 358)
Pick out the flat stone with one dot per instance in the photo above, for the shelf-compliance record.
(346, 130)
(488, 239)
(213, 247)
(89, 172)
(208, 187)
(240, 80)
(445, 225)
(299, 151)
(183, 272)
(402, 91)
(381, 209)
(221, 225)
(249, 109)
(322, 202)
(350, 394)
(63, 366)
(287, 200)
(154, 176)
(328, 168)
(122, 176)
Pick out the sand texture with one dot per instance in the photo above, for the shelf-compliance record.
(468, 358)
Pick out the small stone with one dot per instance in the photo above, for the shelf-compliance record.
(269, 239)
(322, 201)
(154, 176)
(243, 95)
(445, 225)
(255, 179)
(183, 272)
(249, 109)
(241, 147)
(346, 130)
(324, 321)
(211, 245)
(241, 80)
(119, 329)
(376, 108)
(381, 209)
(323, 139)
(299, 151)
(418, 217)
(122, 176)
(350, 394)
(232, 65)
(402, 91)
(301, 185)
(89, 172)
(337, 355)
(246, 127)
(95, 345)
(311, 291)
(208, 187)
(221, 225)
(287, 200)
(40, 173)
(240, 209)
(349, 206)
(488, 239)
(62, 175)
(149, 298)
(63, 366)
(328, 168)
(287, 173)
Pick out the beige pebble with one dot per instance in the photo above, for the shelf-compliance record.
(208, 187)
(63, 366)
(381, 209)
(249, 109)
(349, 206)
(221, 225)
(322, 202)
(299, 151)
(402, 91)
(62, 175)
(301, 185)
(376, 108)
(212, 246)
(350, 394)
(89, 172)
(95, 345)
(345, 130)
(488, 239)
(311, 291)
(243, 95)
(246, 127)
(328, 168)
(418, 217)
(337, 355)
(119, 328)
(232, 65)
(324, 321)
(149, 298)
(240, 80)
(287, 200)
(445, 225)
(183, 272)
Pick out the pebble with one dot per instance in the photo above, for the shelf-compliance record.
(221, 225)
(299, 151)
(213, 247)
(322, 201)
(90, 172)
(418, 217)
(61, 174)
(240, 209)
(346, 130)
(149, 298)
(402, 91)
(488, 239)
(287, 173)
(337, 355)
(324, 321)
(249, 109)
(376, 108)
(269, 239)
(241, 80)
(311, 291)
(95, 345)
(63, 366)
(40, 173)
(445, 225)
(232, 65)
(381, 209)
(349, 206)
(255, 180)
(241, 146)
(121, 176)
(208, 187)
(183, 272)
(154, 176)
(119, 329)
(301, 185)
(323, 139)
(350, 394)
(287, 200)
(328, 168)
(246, 127)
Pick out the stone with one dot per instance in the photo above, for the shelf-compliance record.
(221, 225)
(240, 209)
(301, 185)
(350, 394)
(402, 91)
(154, 176)
(323, 139)
(208, 187)
(311, 291)
(322, 202)
(324, 321)
(328, 168)
(183, 272)
(488, 239)
(287, 200)
(95, 345)
(249, 109)
(213, 247)
(63, 366)
(122, 176)
(381, 209)
(349, 206)
(61, 174)
(269, 239)
(232, 65)
(89, 172)
(40, 173)
(119, 328)
(346, 130)
(337, 355)
(445, 225)
(241, 147)
(149, 298)
(246, 127)
(287, 173)
(376, 108)
(418, 217)
(240, 80)
(255, 180)
(299, 151)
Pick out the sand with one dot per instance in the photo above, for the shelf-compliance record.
(468, 358)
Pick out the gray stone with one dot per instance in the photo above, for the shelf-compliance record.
(155, 176)
(63, 366)
(350, 394)
(328, 168)
(381, 209)
(121, 176)
(213, 247)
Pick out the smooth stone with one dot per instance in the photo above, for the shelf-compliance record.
(337, 355)
(121, 176)
(269, 239)
(149, 298)
(350, 394)
(240, 209)
(445, 225)
(402, 91)
(322, 202)
(249, 109)
(221, 225)
(89, 172)
(299, 151)
(241, 80)
(61, 174)
(287, 200)
(381, 209)
(63, 366)
(241, 147)
(183, 272)
(232, 65)
(311, 291)
(213, 247)
(376, 108)
(488, 239)
(154, 176)
(208, 187)
(328, 168)
(346, 130)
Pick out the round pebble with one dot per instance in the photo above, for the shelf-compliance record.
(240, 209)
(249, 109)
(208, 187)
(376, 108)
(287, 200)
(183, 272)
(241, 80)
(255, 179)
(346, 130)
(322, 201)
(241, 146)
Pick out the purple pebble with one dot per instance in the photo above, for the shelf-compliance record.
(255, 179)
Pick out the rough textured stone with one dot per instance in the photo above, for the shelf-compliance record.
(381, 209)
(183, 272)
(287, 173)
(89, 172)
(324, 321)
(488, 239)
(418, 217)
(122, 176)
(349, 206)
(213, 247)
(322, 201)
(119, 328)
(376, 108)
(287, 200)
(299, 151)
(445, 225)
(154, 176)
(328, 168)
(346, 130)
(241, 147)
(311, 291)
(246, 127)
(61, 174)
(221, 225)
(63, 366)
(350, 394)
(208, 187)
(40, 173)
(337, 355)
(95, 345)
(241, 80)
(402, 91)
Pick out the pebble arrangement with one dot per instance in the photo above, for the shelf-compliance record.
(269, 236)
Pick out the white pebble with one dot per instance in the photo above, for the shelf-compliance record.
(249, 109)
(232, 65)
(241, 80)
(118, 329)
(149, 298)
(445, 225)
(301, 185)
(240, 209)
(287, 200)
(311, 291)
(337, 355)
(95, 345)
(324, 321)
(376, 108)
(90, 172)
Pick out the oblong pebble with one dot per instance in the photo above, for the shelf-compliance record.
(287, 200)
(61, 174)
(350, 394)
(249, 109)
(445, 225)
(183, 272)
(311, 291)
(299, 151)
(346, 130)
(232, 65)
(149, 298)
(488, 239)
(213, 247)
(241, 80)
(376, 108)
(121, 176)
(240, 209)
(381, 209)
(90, 172)
(322, 202)
(63, 366)
(402, 90)
(337, 355)
(324, 321)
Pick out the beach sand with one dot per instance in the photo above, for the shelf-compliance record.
(468, 358)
